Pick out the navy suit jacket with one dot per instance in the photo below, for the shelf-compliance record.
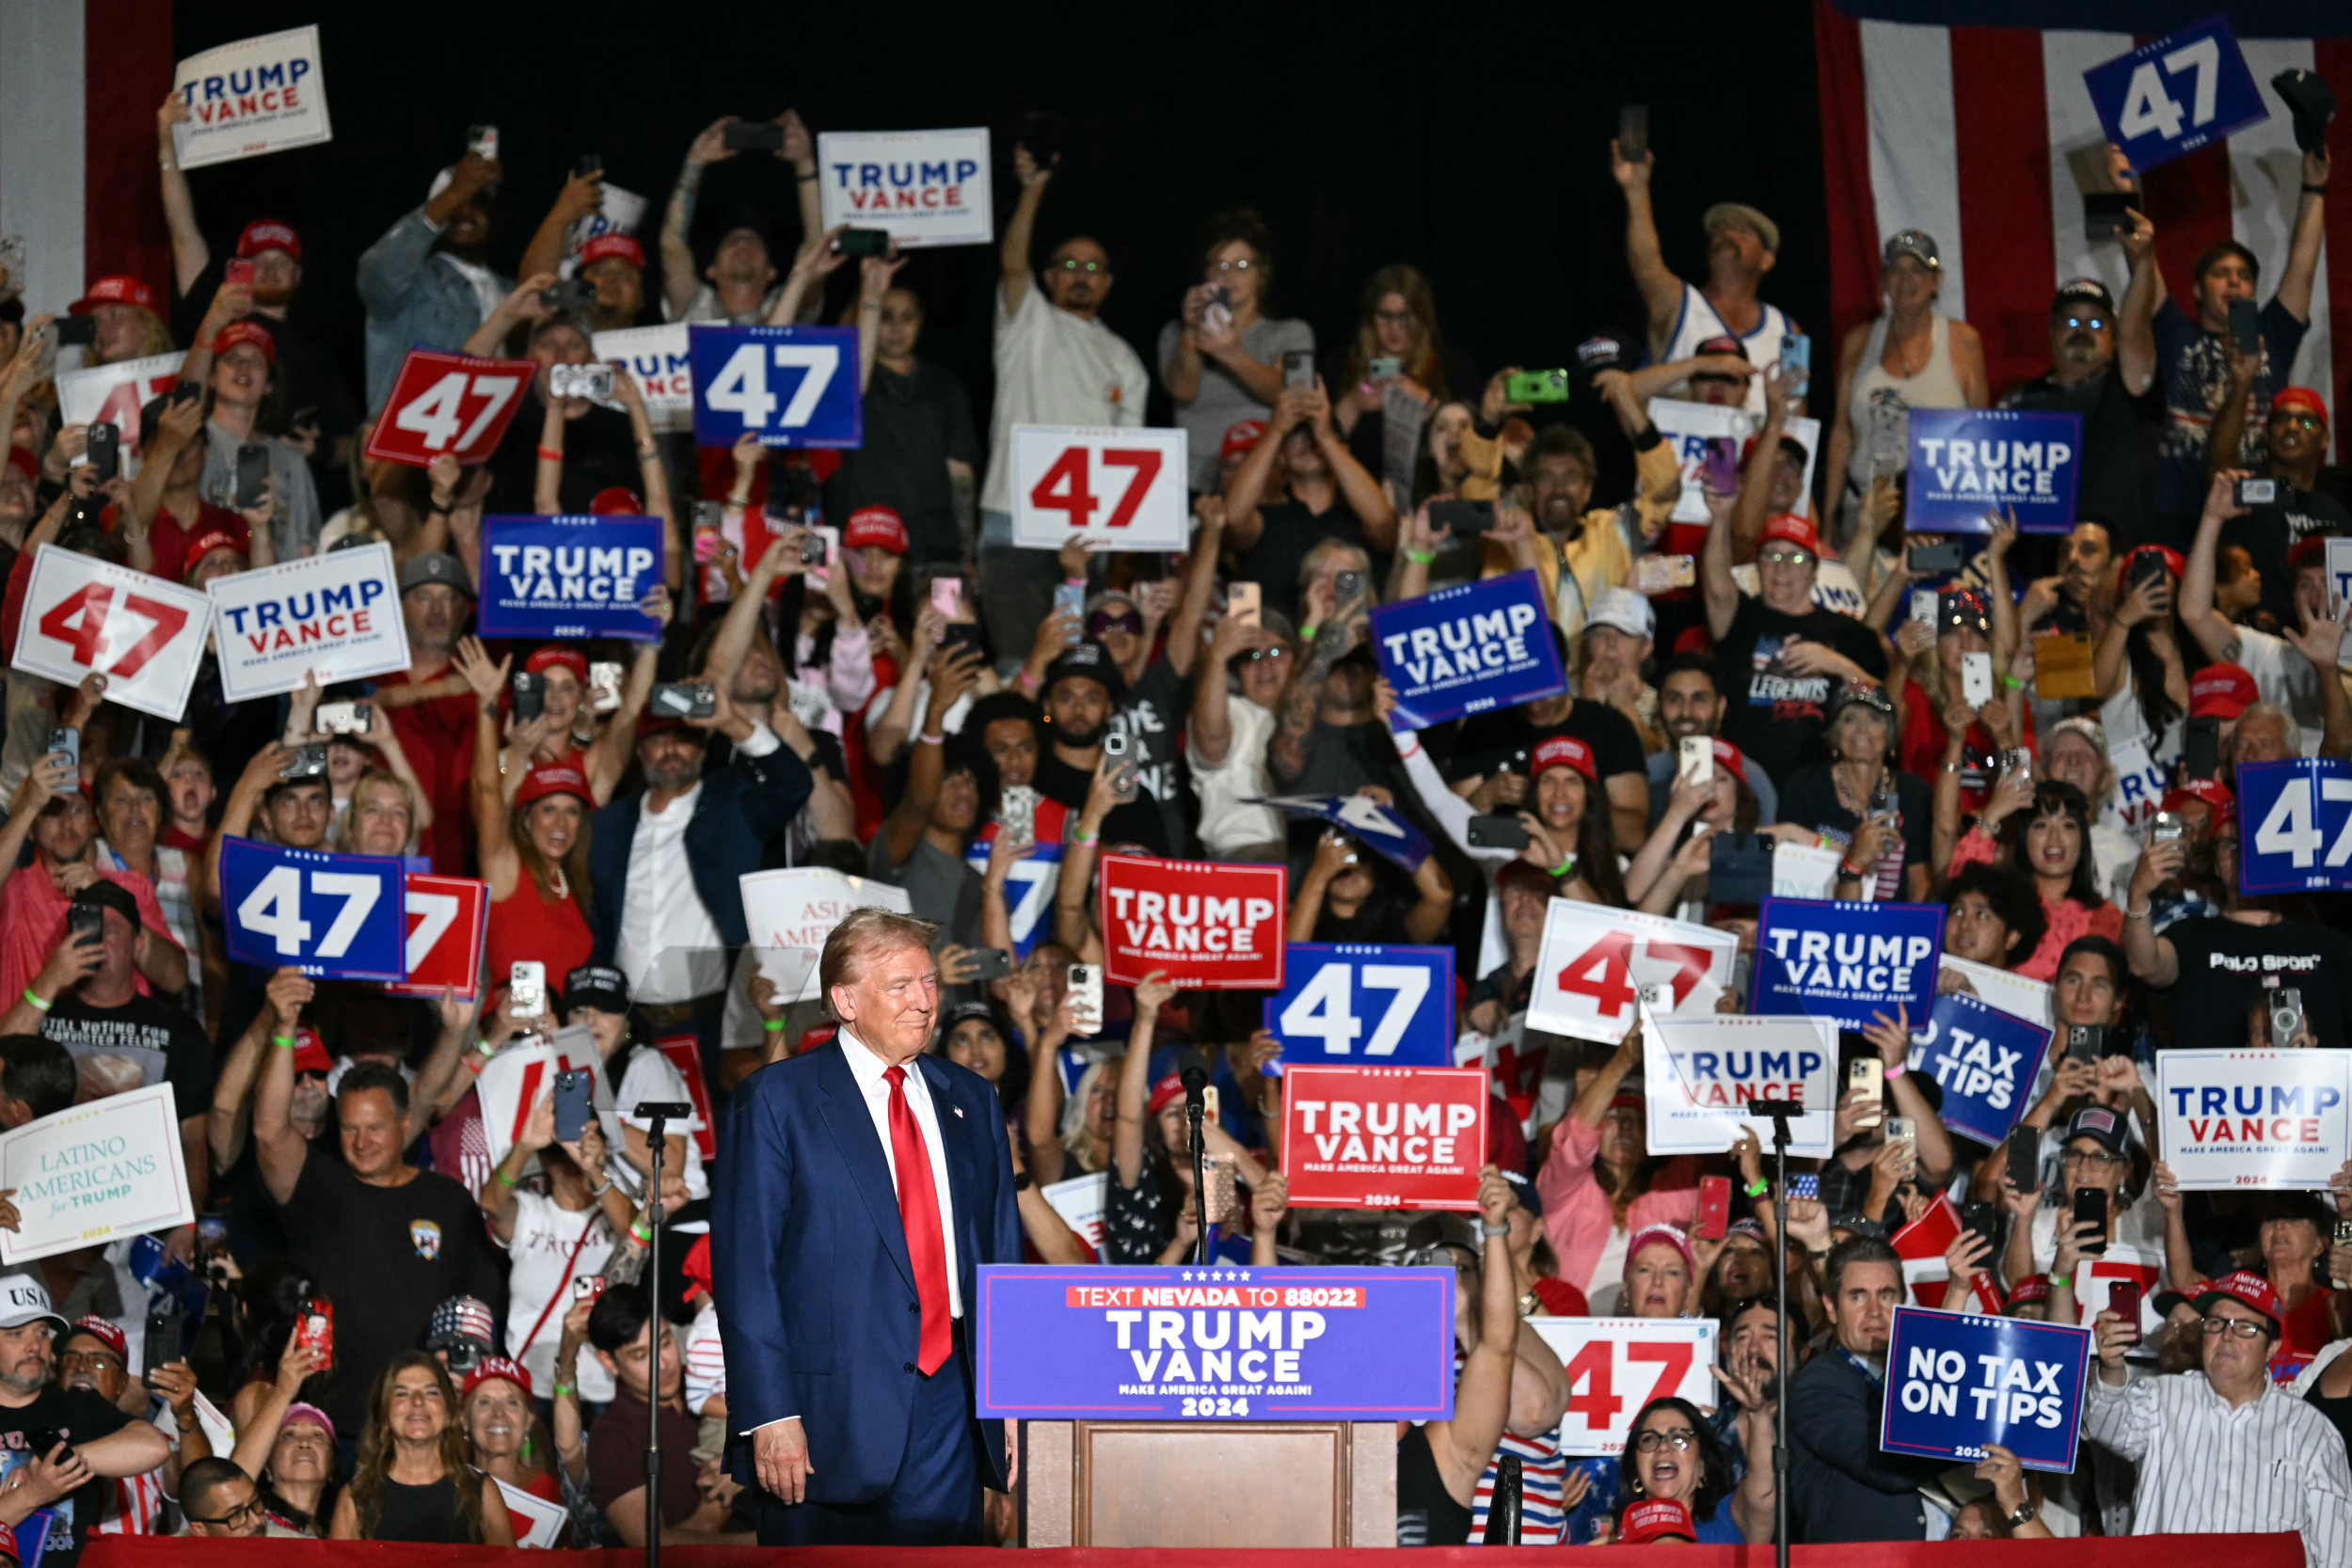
(817, 1303)
(741, 807)
(1844, 1486)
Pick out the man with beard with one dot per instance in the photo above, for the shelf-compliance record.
(1081, 692)
(1742, 246)
(2102, 366)
(93, 1442)
(1749, 1360)
(428, 283)
(739, 285)
(432, 709)
(2296, 433)
(1600, 542)
(1689, 704)
(673, 935)
(739, 655)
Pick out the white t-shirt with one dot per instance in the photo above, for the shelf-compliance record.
(540, 1269)
(1228, 822)
(2284, 676)
(650, 1075)
(1053, 368)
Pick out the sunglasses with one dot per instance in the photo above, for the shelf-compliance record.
(1783, 558)
(1071, 263)
(1278, 651)
(2086, 324)
(1130, 622)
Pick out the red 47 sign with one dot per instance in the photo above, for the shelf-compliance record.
(448, 403)
(145, 635)
(1616, 1366)
(1600, 966)
(1123, 489)
(447, 919)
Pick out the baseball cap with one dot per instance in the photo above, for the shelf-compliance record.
(2033, 1287)
(696, 1267)
(2247, 1290)
(963, 1011)
(1661, 1234)
(2308, 551)
(622, 245)
(214, 539)
(1728, 756)
(876, 526)
(1091, 660)
(24, 1300)
(244, 332)
(104, 1330)
(494, 1366)
(1739, 211)
(615, 501)
(1240, 437)
(813, 1037)
(108, 895)
(2222, 691)
(1791, 528)
(2212, 791)
(116, 289)
(310, 1051)
(1524, 1192)
(1870, 696)
(597, 985)
(1165, 1093)
(462, 1321)
(1918, 244)
(1965, 608)
(300, 1412)
(435, 566)
(1564, 750)
(550, 654)
(1721, 342)
(2302, 398)
(1658, 1519)
(2099, 1124)
(1623, 611)
(553, 778)
(268, 234)
(1603, 351)
(2088, 289)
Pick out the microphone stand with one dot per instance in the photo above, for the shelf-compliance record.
(1196, 1110)
(658, 1111)
(1781, 1111)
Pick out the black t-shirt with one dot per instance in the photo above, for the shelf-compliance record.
(385, 1257)
(1810, 801)
(1773, 716)
(161, 1040)
(2268, 532)
(599, 451)
(306, 367)
(2118, 480)
(1508, 736)
(1289, 531)
(914, 424)
(80, 1416)
(1138, 821)
(1153, 717)
(2229, 968)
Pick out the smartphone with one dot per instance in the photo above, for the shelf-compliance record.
(1714, 1207)
(1384, 367)
(46, 1440)
(2201, 753)
(2164, 827)
(1219, 1199)
(2343, 1238)
(1664, 573)
(2286, 1017)
(2086, 1042)
(307, 762)
(1902, 1130)
(1975, 679)
(1796, 358)
(343, 718)
(2123, 1301)
(862, 241)
(1085, 987)
(947, 596)
(105, 452)
(572, 1092)
(1118, 752)
(1928, 561)
(1070, 600)
(604, 686)
(1633, 132)
(588, 166)
(531, 695)
(2147, 567)
(235, 271)
(1243, 602)
(526, 989)
(684, 700)
(961, 636)
(2090, 1206)
(1807, 1185)
(755, 136)
(588, 1287)
(1695, 761)
(1016, 813)
(1739, 869)
(1923, 605)
(573, 294)
(813, 549)
(1536, 387)
(76, 332)
(1298, 369)
(2246, 326)
(68, 741)
(1347, 589)
(483, 141)
(593, 382)
(1719, 471)
(314, 1327)
(1498, 833)
(85, 921)
(252, 473)
(2257, 492)
(991, 963)
(1463, 519)
(1868, 1074)
(1983, 1219)
(2107, 214)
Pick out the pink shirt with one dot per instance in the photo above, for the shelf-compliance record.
(32, 923)
(1575, 1206)
(2067, 920)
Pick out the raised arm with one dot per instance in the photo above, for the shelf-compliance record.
(1134, 1080)
(581, 195)
(1482, 1399)
(678, 219)
(1013, 251)
(1662, 290)
(1365, 494)
(190, 254)
(2214, 634)
(486, 789)
(232, 1090)
(1753, 502)
(2295, 284)
(1250, 482)
(1715, 580)
(278, 1148)
(2136, 317)
(811, 264)
(1192, 606)
(874, 275)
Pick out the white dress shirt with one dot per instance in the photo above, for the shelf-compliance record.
(2272, 1464)
(661, 913)
(867, 1069)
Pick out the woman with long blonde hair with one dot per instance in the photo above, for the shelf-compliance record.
(413, 1482)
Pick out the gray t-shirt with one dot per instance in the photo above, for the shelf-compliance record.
(941, 888)
(1224, 401)
(294, 527)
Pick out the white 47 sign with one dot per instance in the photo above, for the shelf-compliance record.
(1599, 966)
(1118, 487)
(1616, 1366)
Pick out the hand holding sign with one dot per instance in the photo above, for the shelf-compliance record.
(448, 403)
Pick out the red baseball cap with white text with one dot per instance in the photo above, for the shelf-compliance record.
(268, 234)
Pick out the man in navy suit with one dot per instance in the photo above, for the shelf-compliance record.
(1842, 1486)
(863, 1186)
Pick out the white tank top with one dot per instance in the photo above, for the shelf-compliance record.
(1879, 403)
(1699, 321)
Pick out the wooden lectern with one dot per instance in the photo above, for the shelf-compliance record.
(1227, 1483)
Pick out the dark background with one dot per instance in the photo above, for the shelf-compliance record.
(1474, 145)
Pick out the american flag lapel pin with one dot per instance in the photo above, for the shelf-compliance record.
(957, 1109)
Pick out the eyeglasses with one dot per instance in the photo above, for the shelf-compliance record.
(1071, 263)
(236, 1518)
(1242, 264)
(1677, 1438)
(1395, 318)
(1099, 622)
(2245, 1328)
(95, 1360)
(1783, 558)
(2302, 420)
(2088, 324)
(2094, 1157)
(1278, 651)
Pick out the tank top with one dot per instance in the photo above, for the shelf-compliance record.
(1699, 321)
(528, 924)
(1879, 403)
(1426, 1514)
(427, 1513)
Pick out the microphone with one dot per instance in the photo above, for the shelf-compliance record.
(1772, 1108)
(664, 1110)
(1195, 1080)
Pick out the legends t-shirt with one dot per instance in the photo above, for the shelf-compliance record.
(1772, 713)
(79, 1417)
(143, 1042)
(2229, 969)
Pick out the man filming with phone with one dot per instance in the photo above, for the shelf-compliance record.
(428, 282)
(60, 1447)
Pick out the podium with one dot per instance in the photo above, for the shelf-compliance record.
(1208, 1484)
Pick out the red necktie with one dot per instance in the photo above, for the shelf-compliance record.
(919, 1211)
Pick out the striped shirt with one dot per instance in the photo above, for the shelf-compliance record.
(2272, 1464)
(1543, 1469)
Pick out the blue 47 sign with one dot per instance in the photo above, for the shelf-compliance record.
(788, 386)
(1405, 1017)
(2300, 814)
(2176, 95)
(334, 916)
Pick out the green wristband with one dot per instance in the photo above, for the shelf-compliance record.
(283, 1042)
(1421, 558)
(771, 1025)
(2059, 1279)
(510, 1181)
(564, 1388)
(35, 1000)
(1758, 1187)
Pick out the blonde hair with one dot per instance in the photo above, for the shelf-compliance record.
(1074, 1114)
(347, 827)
